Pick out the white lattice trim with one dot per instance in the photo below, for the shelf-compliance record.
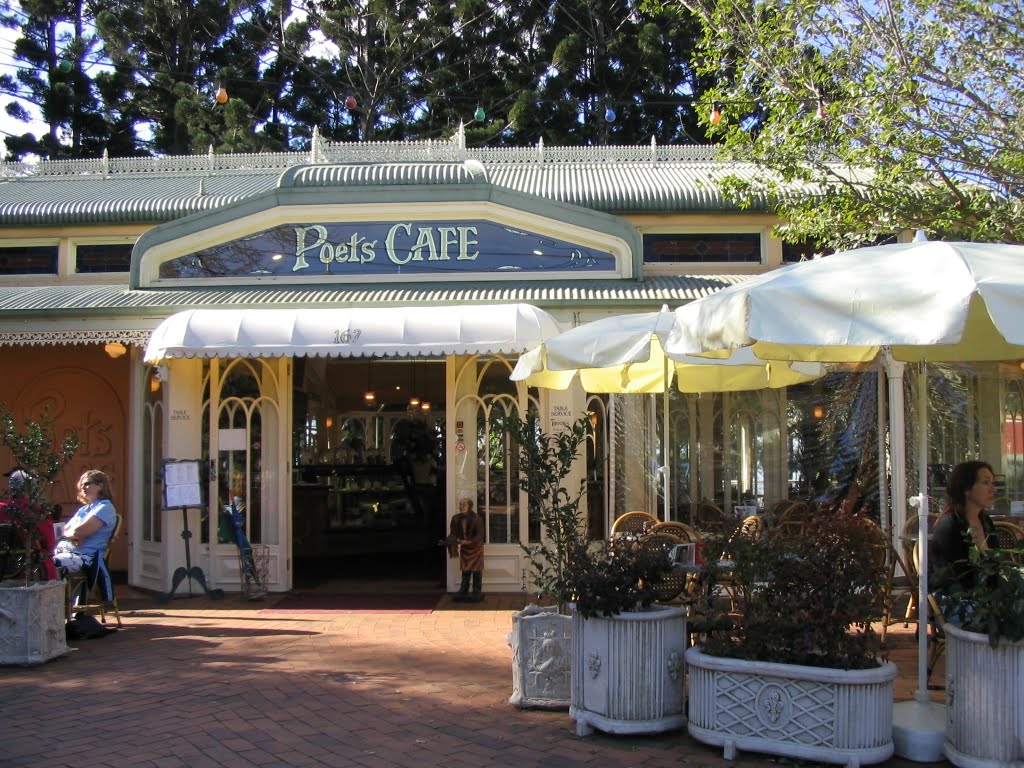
(324, 152)
(135, 338)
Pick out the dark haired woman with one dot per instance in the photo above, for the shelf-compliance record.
(971, 490)
(88, 532)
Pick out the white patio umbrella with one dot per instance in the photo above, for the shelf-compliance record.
(922, 301)
(624, 354)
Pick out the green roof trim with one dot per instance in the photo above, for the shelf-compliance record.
(97, 301)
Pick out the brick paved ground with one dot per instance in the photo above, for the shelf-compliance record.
(197, 683)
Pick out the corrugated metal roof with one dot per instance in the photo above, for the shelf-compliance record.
(119, 300)
(148, 193)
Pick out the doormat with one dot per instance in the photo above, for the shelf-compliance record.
(360, 602)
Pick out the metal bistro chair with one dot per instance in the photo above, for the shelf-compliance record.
(92, 588)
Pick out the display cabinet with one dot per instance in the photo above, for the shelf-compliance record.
(344, 505)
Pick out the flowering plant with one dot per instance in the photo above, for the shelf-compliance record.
(26, 503)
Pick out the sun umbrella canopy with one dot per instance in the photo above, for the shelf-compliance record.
(623, 354)
(923, 301)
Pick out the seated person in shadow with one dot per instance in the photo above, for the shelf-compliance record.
(971, 490)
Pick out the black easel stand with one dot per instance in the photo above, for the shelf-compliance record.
(190, 572)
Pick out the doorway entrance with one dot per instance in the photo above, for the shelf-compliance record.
(368, 490)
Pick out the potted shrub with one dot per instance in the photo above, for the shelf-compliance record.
(628, 668)
(790, 665)
(541, 634)
(616, 657)
(985, 664)
(32, 612)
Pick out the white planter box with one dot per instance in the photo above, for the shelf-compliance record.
(984, 701)
(628, 672)
(541, 641)
(31, 622)
(810, 713)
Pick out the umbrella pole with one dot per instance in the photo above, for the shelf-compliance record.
(919, 726)
(665, 446)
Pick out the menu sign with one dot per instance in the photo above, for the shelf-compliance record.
(182, 486)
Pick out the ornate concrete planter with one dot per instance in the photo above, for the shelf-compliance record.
(31, 622)
(628, 672)
(810, 713)
(984, 701)
(541, 641)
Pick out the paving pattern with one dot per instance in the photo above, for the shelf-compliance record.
(223, 684)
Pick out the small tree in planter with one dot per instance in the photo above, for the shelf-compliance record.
(32, 614)
(545, 462)
(791, 666)
(607, 682)
(541, 636)
(26, 501)
(985, 663)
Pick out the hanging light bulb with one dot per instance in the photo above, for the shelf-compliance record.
(424, 406)
(716, 115)
(479, 115)
(369, 396)
(221, 96)
(414, 403)
(609, 115)
(350, 102)
(115, 349)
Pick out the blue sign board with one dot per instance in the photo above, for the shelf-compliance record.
(360, 249)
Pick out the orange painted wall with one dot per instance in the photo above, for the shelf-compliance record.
(87, 393)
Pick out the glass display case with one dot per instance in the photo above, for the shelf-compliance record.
(356, 498)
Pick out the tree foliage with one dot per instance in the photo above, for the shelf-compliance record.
(903, 114)
(140, 77)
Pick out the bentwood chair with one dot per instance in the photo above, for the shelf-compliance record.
(633, 524)
(92, 589)
(1010, 534)
(685, 532)
(936, 625)
(672, 584)
(710, 519)
(794, 518)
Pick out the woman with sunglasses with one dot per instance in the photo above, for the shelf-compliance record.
(88, 532)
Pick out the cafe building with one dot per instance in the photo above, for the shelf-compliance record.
(329, 335)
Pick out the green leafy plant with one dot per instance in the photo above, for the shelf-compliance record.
(413, 440)
(996, 598)
(798, 597)
(35, 450)
(609, 577)
(545, 462)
